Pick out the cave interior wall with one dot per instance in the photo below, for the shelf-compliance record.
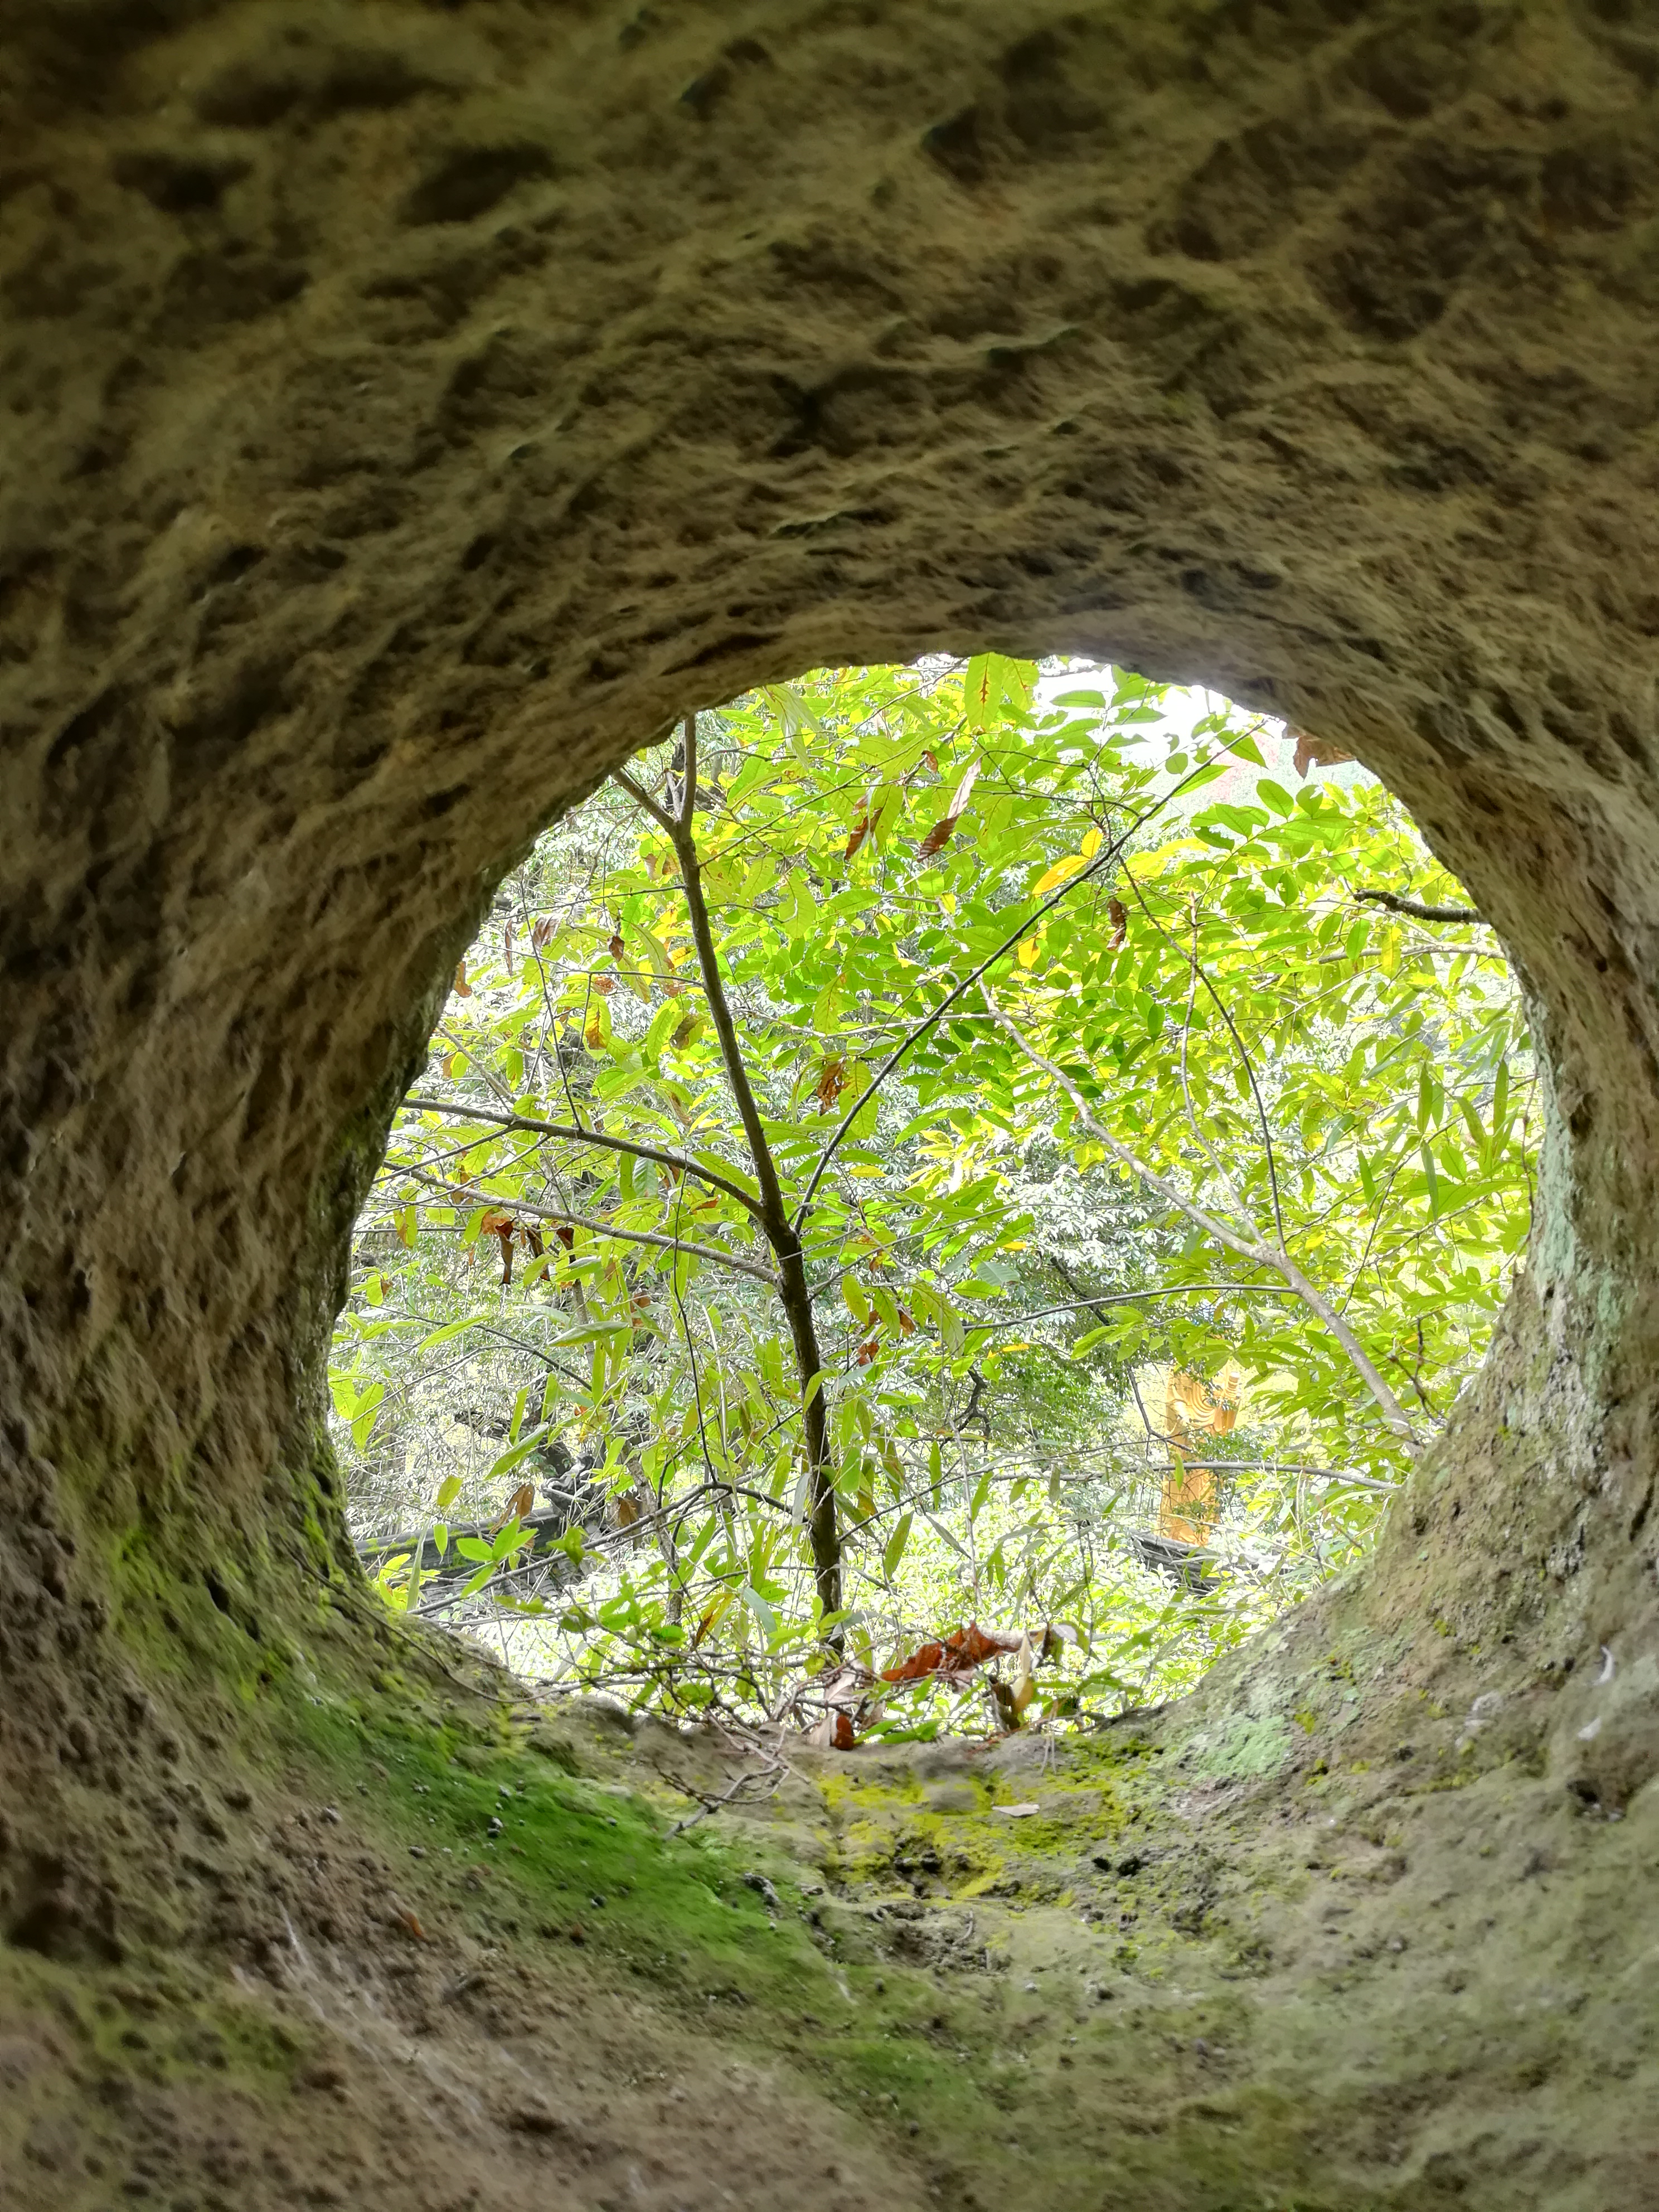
(408, 409)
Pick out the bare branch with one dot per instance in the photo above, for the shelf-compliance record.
(1419, 911)
(773, 1774)
(599, 1228)
(688, 773)
(642, 798)
(1138, 1297)
(1200, 975)
(582, 1136)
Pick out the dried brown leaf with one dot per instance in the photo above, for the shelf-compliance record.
(940, 836)
(1314, 752)
(832, 1081)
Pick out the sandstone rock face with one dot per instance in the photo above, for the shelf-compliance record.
(407, 409)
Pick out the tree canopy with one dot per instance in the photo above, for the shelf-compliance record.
(934, 1148)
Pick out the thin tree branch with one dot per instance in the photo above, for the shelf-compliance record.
(1419, 911)
(1261, 1251)
(783, 1235)
(1220, 1005)
(1138, 1298)
(599, 1228)
(642, 798)
(473, 1061)
(488, 1328)
(688, 772)
(1108, 856)
(697, 1380)
(582, 1136)
(1204, 1144)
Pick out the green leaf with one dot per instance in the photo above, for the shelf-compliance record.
(519, 1452)
(994, 687)
(896, 1544)
(451, 1329)
(763, 1611)
(366, 1412)
(595, 1332)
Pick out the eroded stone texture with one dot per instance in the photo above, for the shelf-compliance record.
(408, 408)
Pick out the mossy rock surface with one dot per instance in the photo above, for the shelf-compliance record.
(462, 1941)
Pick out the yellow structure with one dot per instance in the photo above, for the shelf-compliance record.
(1190, 1504)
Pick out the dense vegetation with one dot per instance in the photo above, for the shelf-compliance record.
(934, 1145)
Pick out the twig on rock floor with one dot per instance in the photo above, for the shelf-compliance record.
(776, 1772)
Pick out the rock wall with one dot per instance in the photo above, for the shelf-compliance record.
(408, 407)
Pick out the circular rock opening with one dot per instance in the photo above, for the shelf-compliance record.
(942, 1197)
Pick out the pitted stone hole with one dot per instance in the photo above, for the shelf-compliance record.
(1099, 1087)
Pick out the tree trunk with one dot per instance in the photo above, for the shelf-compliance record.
(772, 1213)
(406, 412)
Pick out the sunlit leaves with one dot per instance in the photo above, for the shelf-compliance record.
(870, 837)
